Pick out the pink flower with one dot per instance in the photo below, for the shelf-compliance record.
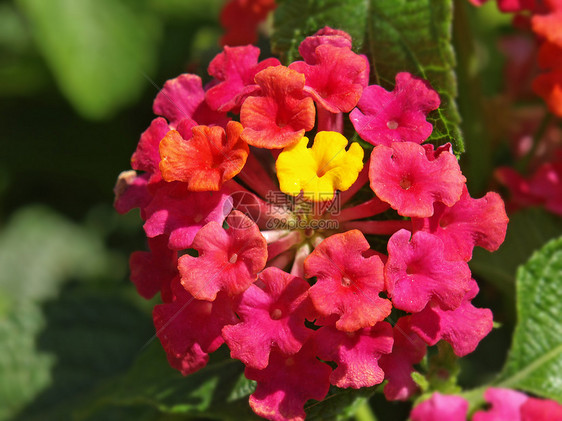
(272, 317)
(541, 409)
(408, 349)
(506, 405)
(210, 158)
(154, 271)
(172, 212)
(468, 223)
(441, 407)
(184, 97)
(131, 191)
(189, 329)
(146, 156)
(285, 385)
(383, 117)
(356, 354)
(326, 35)
(336, 79)
(404, 177)
(234, 70)
(348, 283)
(463, 327)
(281, 116)
(228, 260)
(417, 271)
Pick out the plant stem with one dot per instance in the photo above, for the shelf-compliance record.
(365, 413)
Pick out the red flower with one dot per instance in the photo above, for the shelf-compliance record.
(272, 317)
(383, 117)
(336, 79)
(228, 260)
(281, 116)
(189, 329)
(403, 176)
(241, 18)
(356, 354)
(348, 283)
(417, 271)
(468, 223)
(234, 70)
(285, 385)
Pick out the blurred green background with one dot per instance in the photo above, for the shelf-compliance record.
(77, 80)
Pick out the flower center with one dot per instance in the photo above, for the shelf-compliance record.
(233, 258)
(406, 183)
(276, 314)
(392, 125)
(345, 281)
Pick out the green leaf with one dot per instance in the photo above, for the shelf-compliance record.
(534, 363)
(97, 50)
(415, 36)
(294, 20)
(398, 35)
(528, 230)
(218, 391)
(339, 404)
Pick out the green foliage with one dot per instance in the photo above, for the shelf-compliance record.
(413, 36)
(218, 391)
(534, 363)
(98, 50)
(58, 342)
(295, 20)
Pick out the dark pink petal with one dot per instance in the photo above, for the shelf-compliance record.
(408, 349)
(468, 223)
(131, 191)
(154, 271)
(146, 156)
(234, 70)
(519, 188)
(271, 317)
(417, 271)
(335, 81)
(348, 283)
(541, 409)
(326, 35)
(285, 385)
(279, 117)
(441, 407)
(506, 405)
(184, 97)
(383, 117)
(463, 327)
(356, 354)
(180, 213)
(546, 183)
(404, 177)
(189, 329)
(228, 260)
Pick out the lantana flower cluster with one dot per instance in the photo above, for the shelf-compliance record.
(317, 261)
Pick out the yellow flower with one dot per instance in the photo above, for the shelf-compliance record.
(320, 170)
